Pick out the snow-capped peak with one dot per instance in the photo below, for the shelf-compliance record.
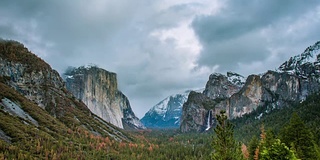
(162, 107)
(236, 78)
(295, 64)
(167, 113)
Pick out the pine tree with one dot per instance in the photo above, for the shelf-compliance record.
(299, 137)
(253, 145)
(271, 148)
(277, 151)
(224, 145)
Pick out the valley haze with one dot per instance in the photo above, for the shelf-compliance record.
(162, 47)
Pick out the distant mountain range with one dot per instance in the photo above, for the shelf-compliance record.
(167, 113)
(291, 83)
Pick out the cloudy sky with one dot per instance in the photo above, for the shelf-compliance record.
(162, 47)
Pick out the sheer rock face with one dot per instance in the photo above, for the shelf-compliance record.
(97, 88)
(38, 82)
(167, 113)
(244, 101)
(37, 85)
(194, 113)
(292, 82)
(221, 86)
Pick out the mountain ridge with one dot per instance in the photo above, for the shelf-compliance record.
(166, 113)
(292, 82)
(40, 119)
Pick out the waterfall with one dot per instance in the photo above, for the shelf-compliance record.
(208, 120)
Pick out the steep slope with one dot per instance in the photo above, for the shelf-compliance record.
(167, 113)
(221, 86)
(291, 83)
(29, 132)
(39, 118)
(199, 110)
(98, 89)
(248, 125)
(304, 65)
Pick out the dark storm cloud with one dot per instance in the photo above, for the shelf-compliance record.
(74, 28)
(115, 35)
(153, 46)
(234, 35)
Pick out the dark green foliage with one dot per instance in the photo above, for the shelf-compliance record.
(253, 145)
(277, 150)
(278, 120)
(224, 145)
(297, 135)
(270, 148)
(248, 126)
(66, 138)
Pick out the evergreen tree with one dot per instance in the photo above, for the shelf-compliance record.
(253, 145)
(271, 148)
(277, 151)
(224, 145)
(299, 137)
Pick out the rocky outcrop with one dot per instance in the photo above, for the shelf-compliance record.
(291, 83)
(167, 113)
(195, 113)
(221, 86)
(199, 111)
(33, 78)
(97, 88)
(30, 75)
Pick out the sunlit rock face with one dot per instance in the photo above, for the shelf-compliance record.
(97, 88)
(292, 82)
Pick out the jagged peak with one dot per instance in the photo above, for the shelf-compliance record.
(232, 77)
(294, 65)
(236, 78)
(162, 107)
(216, 74)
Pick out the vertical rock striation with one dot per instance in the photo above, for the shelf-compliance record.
(292, 82)
(97, 88)
(200, 107)
(38, 82)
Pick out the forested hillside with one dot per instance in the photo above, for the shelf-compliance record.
(275, 120)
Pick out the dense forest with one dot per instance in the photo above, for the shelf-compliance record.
(287, 133)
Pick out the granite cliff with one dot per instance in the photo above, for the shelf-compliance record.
(98, 89)
(199, 111)
(292, 82)
(24, 74)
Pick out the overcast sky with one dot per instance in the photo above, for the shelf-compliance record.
(162, 47)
